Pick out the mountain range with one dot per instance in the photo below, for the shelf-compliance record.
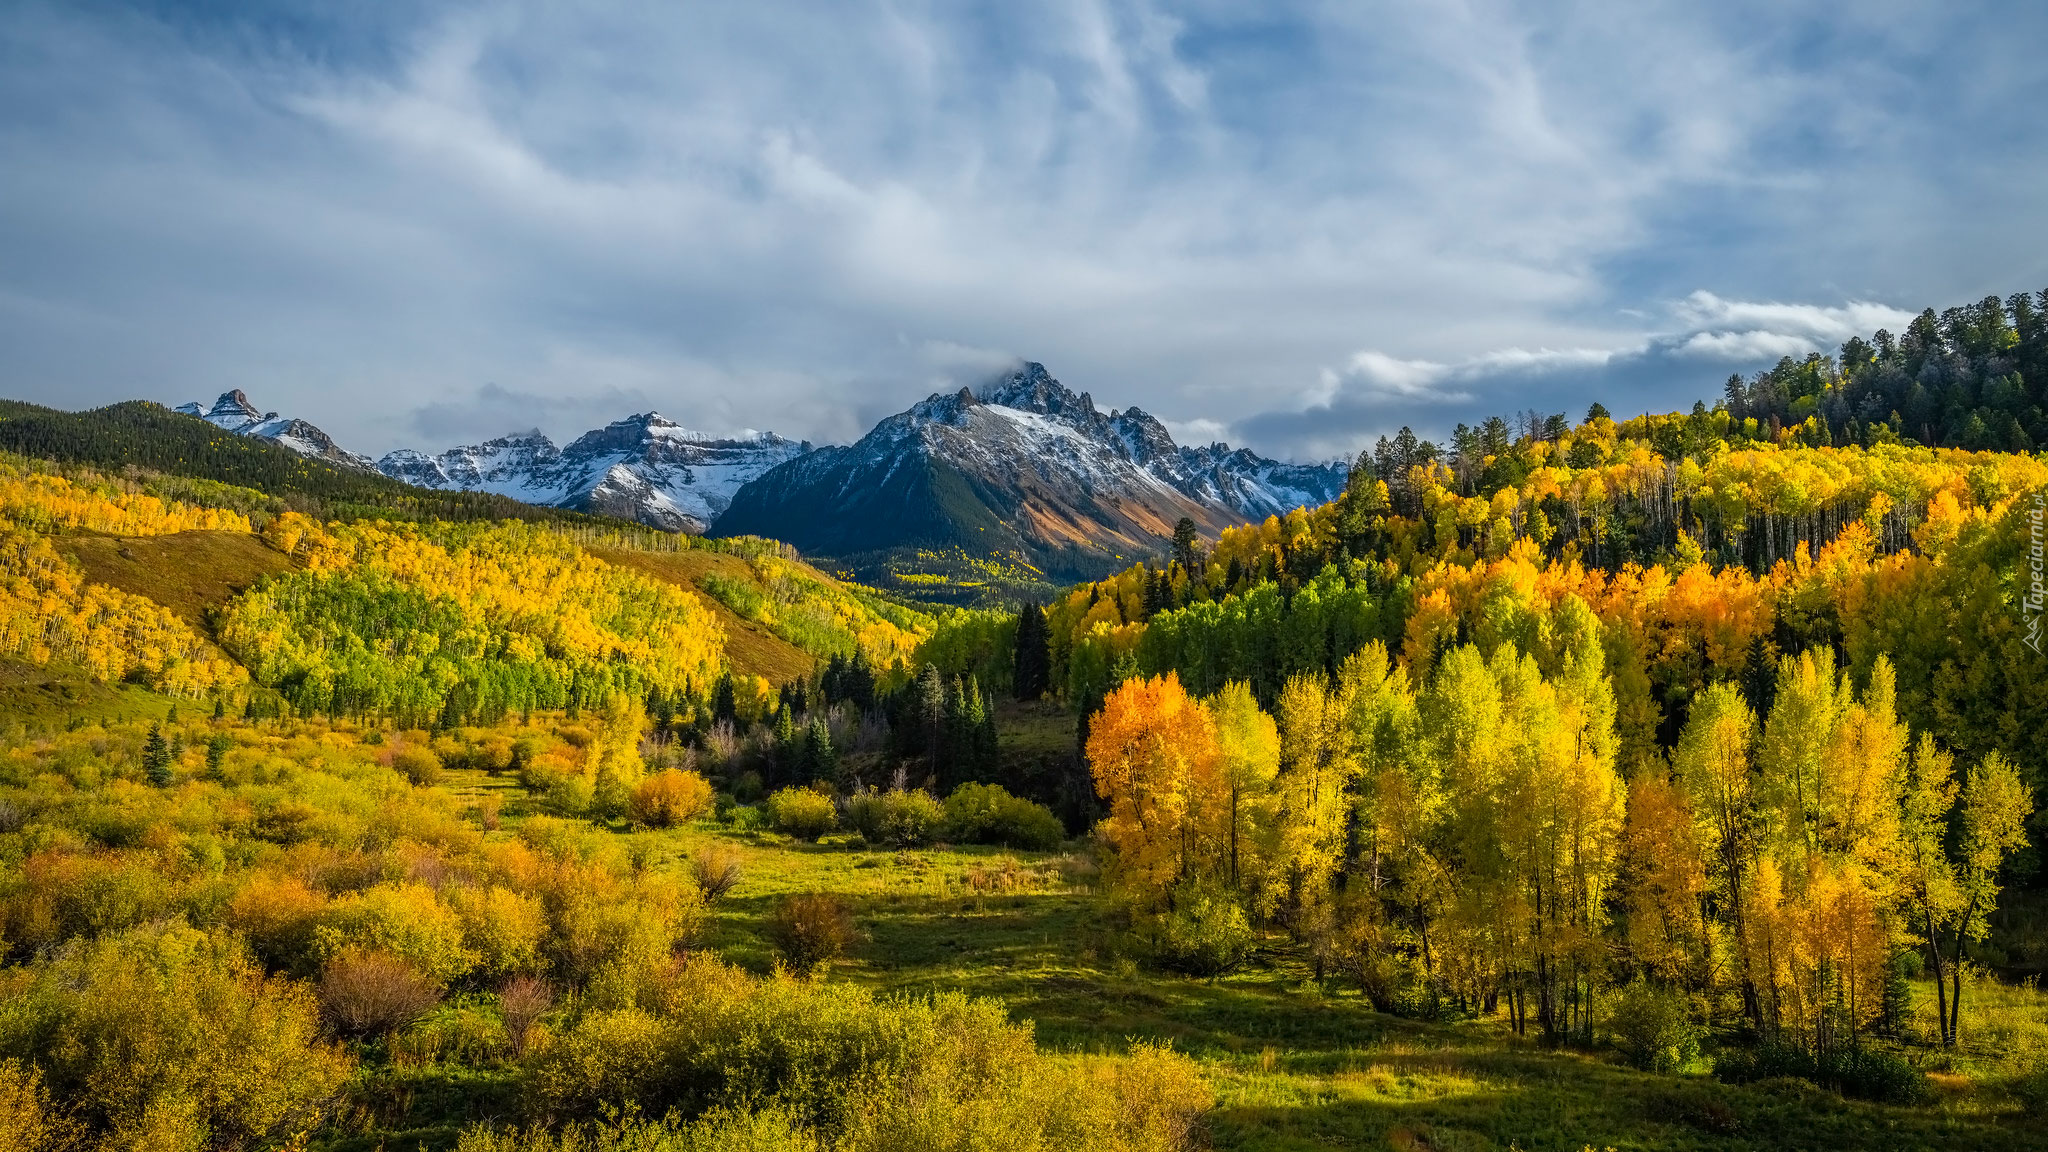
(1024, 468)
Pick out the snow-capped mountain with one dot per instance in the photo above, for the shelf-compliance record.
(234, 413)
(1027, 466)
(646, 468)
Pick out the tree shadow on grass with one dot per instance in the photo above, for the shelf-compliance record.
(1530, 1099)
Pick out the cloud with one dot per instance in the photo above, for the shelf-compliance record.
(1376, 392)
(798, 217)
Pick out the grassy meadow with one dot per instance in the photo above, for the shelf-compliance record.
(1294, 1064)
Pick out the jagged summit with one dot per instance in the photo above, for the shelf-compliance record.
(645, 467)
(1022, 465)
(233, 412)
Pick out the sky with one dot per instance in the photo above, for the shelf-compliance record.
(1296, 226)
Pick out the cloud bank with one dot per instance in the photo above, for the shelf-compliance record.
(1709, 339)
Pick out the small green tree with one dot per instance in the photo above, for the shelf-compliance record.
(217, 752)
(156, 757)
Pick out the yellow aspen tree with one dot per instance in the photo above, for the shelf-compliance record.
(1712, 763)
(1152, 751)
(1991, 825)
(1248, 750)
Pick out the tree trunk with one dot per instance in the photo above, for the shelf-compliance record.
(1955, 1000)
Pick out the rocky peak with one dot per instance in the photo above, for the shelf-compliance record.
(1032, 389)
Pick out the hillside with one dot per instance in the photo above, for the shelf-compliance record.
(140, 435)
(751, 647)
(194, 574)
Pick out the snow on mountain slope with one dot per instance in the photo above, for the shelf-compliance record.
(232, 412)
(645, 467)
(1025, 467)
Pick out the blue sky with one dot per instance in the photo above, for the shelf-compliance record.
(1291, 225)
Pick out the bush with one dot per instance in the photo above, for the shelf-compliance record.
(778, 1064)
(406, 920)
(374, 994)
(669, 798)
(1652, 1028)
(716, 869)
(522, 1001)
(1206, 934)
(166, 1035)
(986, 814)
(26, 1122)
(1864, 1073)
(810, 930)
(418, 765)
(802, 813)
(898, 818)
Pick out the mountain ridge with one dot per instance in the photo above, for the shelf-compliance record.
(1025, 467)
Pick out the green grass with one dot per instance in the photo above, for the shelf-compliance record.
(1296, 1065)
(43, 697)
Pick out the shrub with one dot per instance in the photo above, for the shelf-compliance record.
(802, 813)
(986, 814)
(374, 993)
(569, 796)
(502, 928)
(164, 1035)
(26, 1122)
(779, 1064)
(1652, 1028)
(522, 1001)
(610, 1058)
(899, 818)
(716, 869)
(669, 798)
(406, 920)
(810, 930)
(1205, 934)
(418, 765)
(1864, 1073)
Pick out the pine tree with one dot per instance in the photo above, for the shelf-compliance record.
(929, 702)
(787, 752)
(724, 706)
(1187, 547)
(216, 753)
(156, 757)
(1033, 654)
(820, 758)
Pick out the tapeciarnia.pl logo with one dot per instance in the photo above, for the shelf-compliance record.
(2036, 599)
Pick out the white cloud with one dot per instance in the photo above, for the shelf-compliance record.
(1746, 330)
(1197, 431)
(737, 210)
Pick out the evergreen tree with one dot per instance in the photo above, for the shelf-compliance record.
(156, 757)
(1187, 547)
(216, 753)
(929, 701)
(1033, 654)
(788, 753)
(821, 760)
(724, 707)
(1158, 594)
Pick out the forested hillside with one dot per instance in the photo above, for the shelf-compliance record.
(141, 435)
